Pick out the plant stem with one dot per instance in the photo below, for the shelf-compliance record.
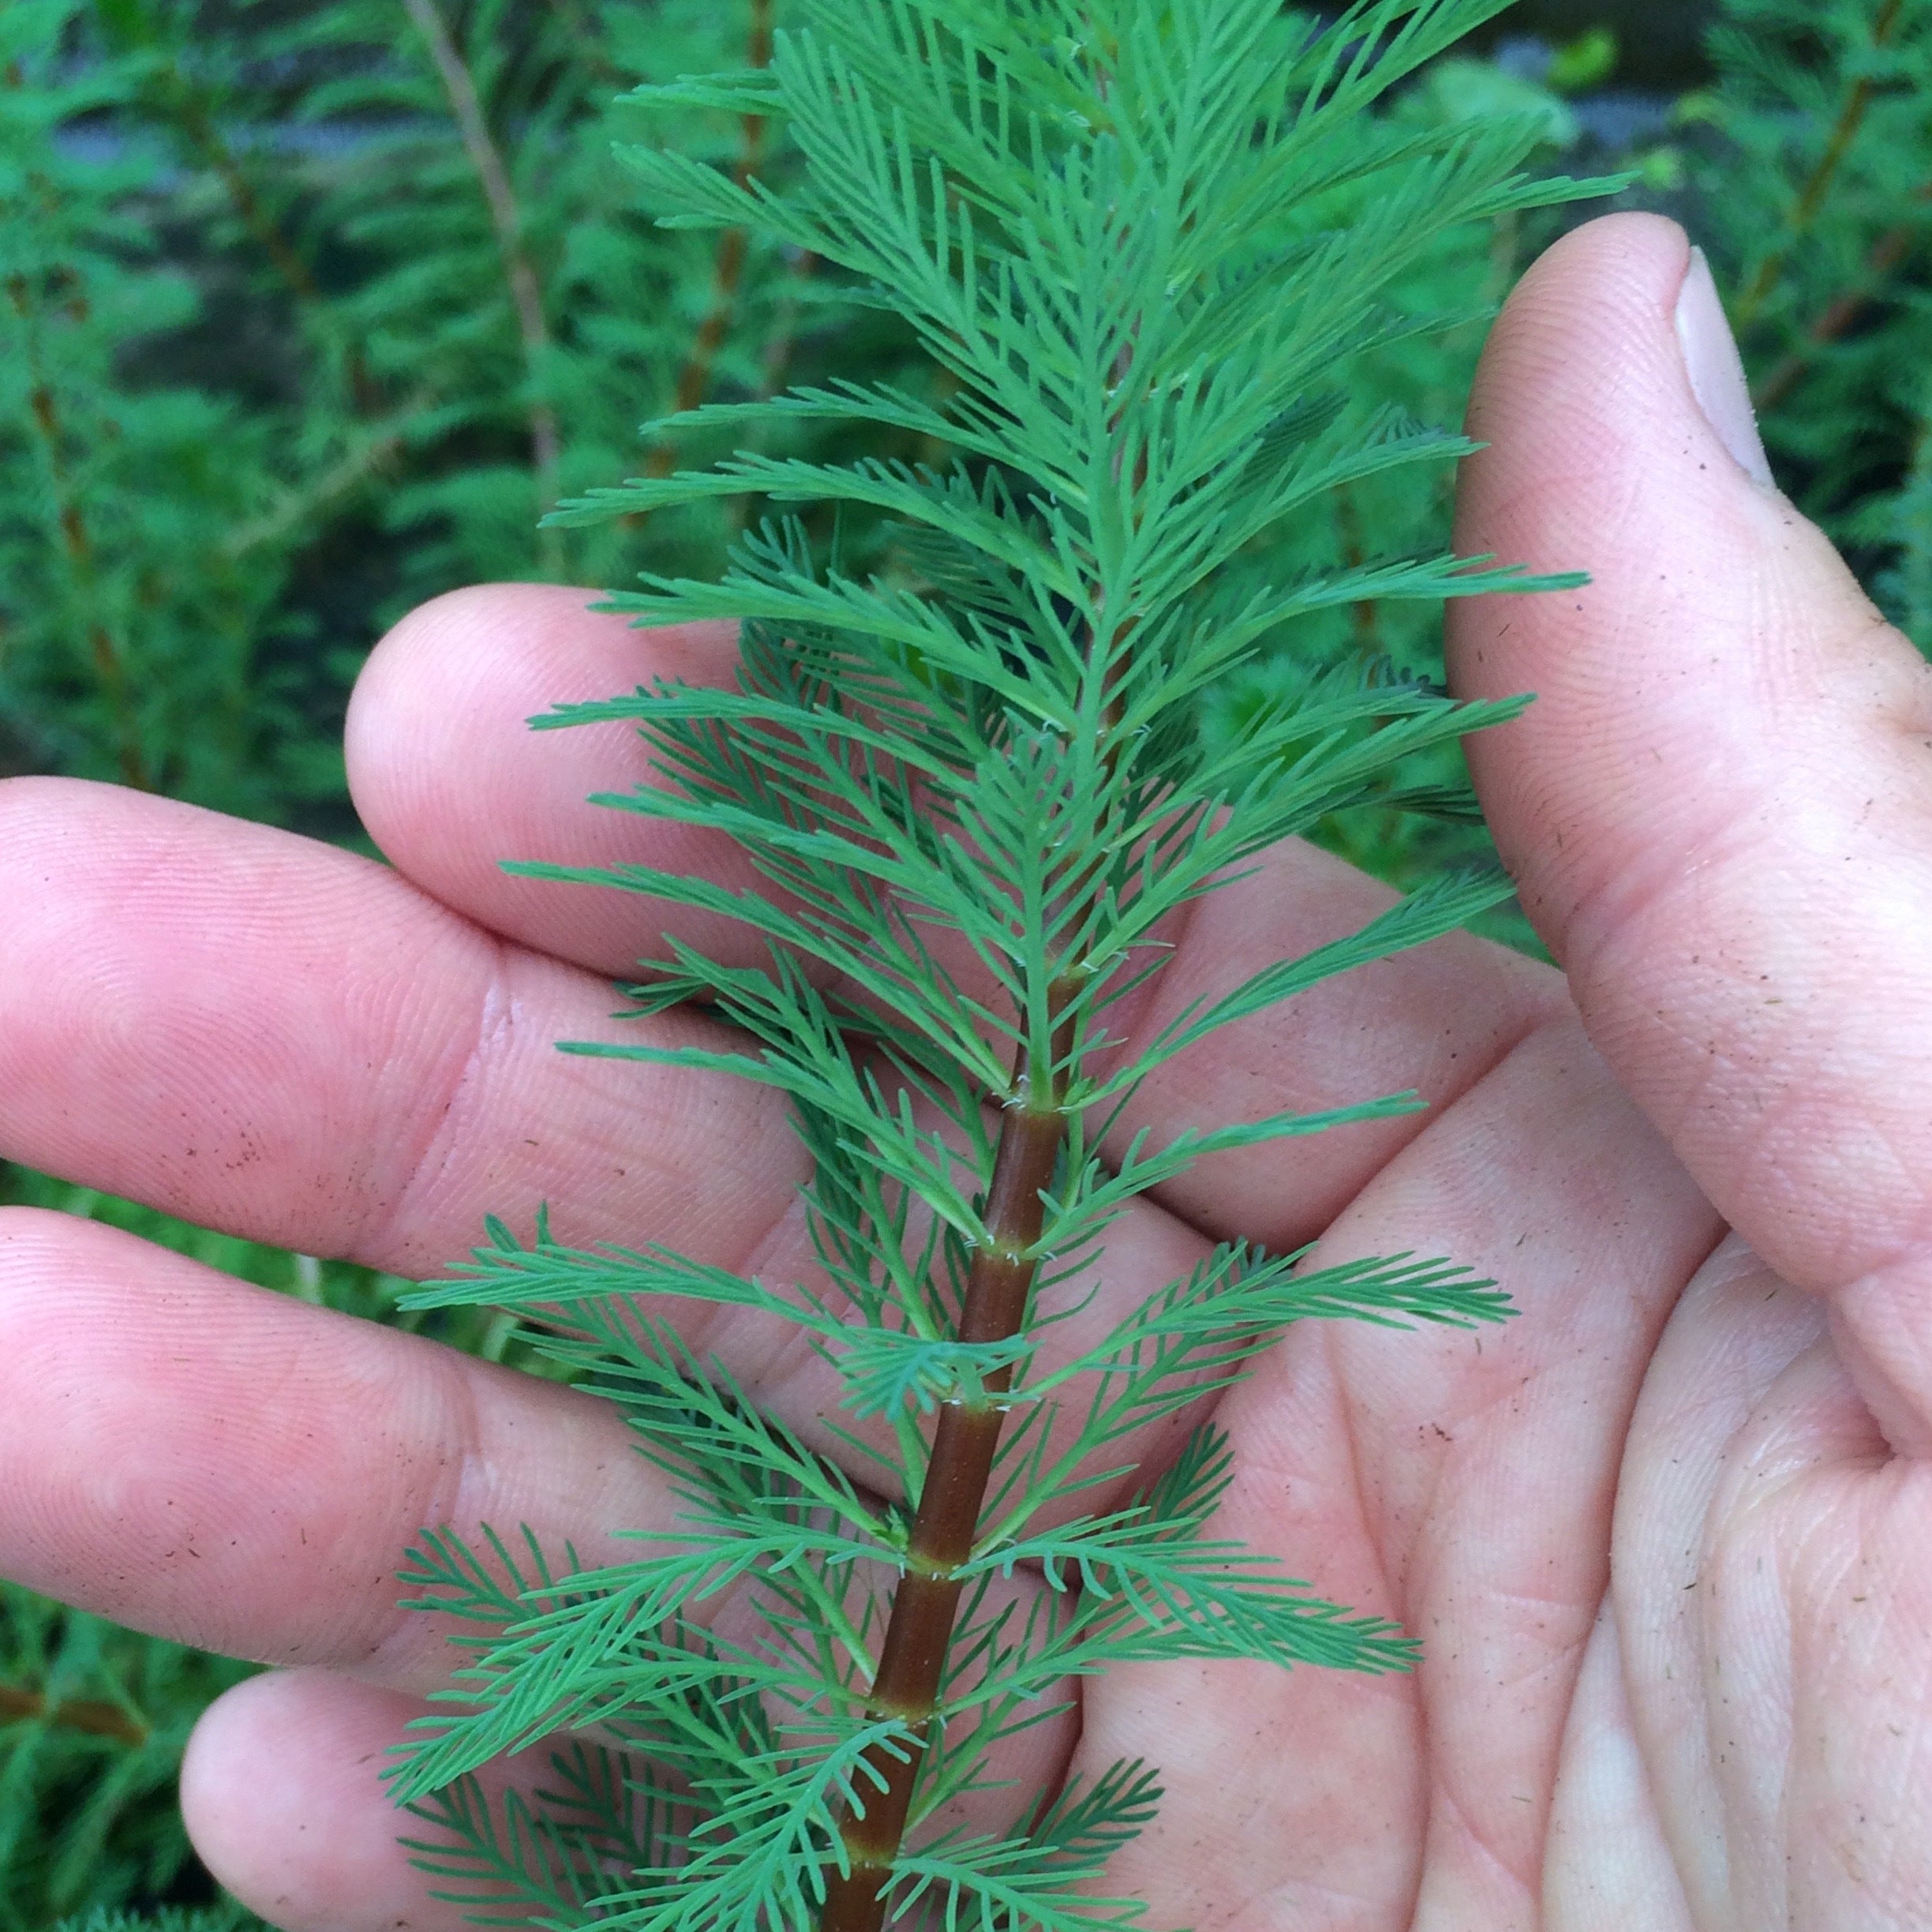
(1844, 309)
(109, 669)
(1363, 618)
(526, 292)
(1811, 197)
(91, 1716)
(919, 1633)
(189, 106)
(587, 36)
(776, 371)
(199, 129)
(135, 29)
(294, 508)
(728, 264)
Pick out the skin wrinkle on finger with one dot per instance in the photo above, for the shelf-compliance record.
(700, 1154)
(1512, 1190)
(1858, 1627)
(1734, 1331)
(1879, 1330)
(1486, 1885)
(1749, 1609)
(441, 1127)
(515, 1053)
(1818, 1125)
(1607, 1867)
(1780, 1565)
(1526, 1631)
(302, 1127)
(243, 1471)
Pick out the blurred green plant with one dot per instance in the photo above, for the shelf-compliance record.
(255, 402)
(93, 1720)
(1811, 156)
(228, 1918)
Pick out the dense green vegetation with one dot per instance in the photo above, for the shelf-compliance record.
(308, 307)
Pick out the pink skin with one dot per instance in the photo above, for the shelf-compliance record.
(1667, 1538)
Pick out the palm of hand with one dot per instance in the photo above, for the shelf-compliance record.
(343, 1062)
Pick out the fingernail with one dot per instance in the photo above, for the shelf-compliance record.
(1717, 371)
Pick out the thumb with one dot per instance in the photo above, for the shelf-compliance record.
(1719, 807)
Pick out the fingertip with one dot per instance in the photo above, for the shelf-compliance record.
(282, 1791)
(450, 781)
(1584, 319)
(446, 695)
(1619, 442)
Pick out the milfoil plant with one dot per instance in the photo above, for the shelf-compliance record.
(1140, 239)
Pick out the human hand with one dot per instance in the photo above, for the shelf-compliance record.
(272, 1037)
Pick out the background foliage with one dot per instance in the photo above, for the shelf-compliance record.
(308, 306)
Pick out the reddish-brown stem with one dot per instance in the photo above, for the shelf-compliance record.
(589, 43)
(1844, 309)
(375, 452)
(1811, 196)
(918, 1632)
(777, 360)
(776, 366)
(108, 667)
(519, 273)
(87, 1715)
(189, 106)
(110, 671)
(199, 129)
(728, 265)
(1363, 616)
